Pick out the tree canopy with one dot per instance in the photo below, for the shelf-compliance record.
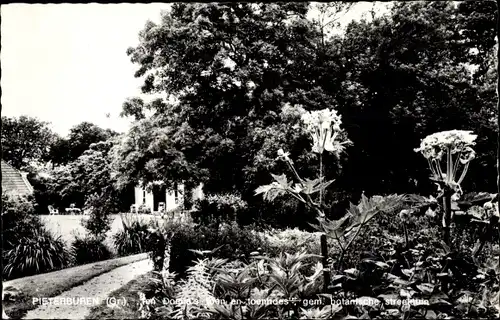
(25, 140)
(79, 139)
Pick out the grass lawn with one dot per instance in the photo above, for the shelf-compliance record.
(68, 225)
(54, 283)
(129, 293)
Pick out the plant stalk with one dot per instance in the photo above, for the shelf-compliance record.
(406, 235)
(326, 268)
(321, 179)
(447, 215)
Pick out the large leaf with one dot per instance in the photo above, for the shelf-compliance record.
(426, 288)
(335, 228)
(282, 180)
(271, 191)
(313, 186)
(368, 208)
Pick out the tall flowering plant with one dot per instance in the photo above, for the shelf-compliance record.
(323, 126)
(453, 149)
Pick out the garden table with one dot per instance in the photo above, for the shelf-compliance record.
(73, 210)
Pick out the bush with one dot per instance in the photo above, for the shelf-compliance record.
(292, 241)
(216, 209)
(159, 240)
(143, 209)
(133, 238)
(89, 249)
(282, 213)
(99, 222)
(17, 219)
(384, 234)
(36, 252)
(28, 248)
(230, 241)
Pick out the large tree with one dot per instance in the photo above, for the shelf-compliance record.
(227, 70)
(80, 137)
(77, 181)
(404, 78)
(25, 140)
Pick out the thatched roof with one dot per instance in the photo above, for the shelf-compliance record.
(14, 181)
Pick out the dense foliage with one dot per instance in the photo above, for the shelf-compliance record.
(79, 139)
(188, 241)
(34, 253)
(28, 247)
(234, 74)
(25, 140)
(62, 171)
(133, 238)
(89, 249)
(397, 269)
(216, 209)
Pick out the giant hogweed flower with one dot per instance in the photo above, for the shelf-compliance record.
(450, 144)
(324, 128)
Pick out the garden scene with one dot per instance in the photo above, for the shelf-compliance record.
(280, 164)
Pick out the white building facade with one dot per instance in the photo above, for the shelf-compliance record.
(158, 198)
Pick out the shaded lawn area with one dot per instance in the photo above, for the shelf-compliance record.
(54, 283)
(128, 293)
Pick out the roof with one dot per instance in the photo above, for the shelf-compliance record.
(14, 181)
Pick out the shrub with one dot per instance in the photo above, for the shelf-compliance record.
(89, 249)
(292, 241)
(186, 237)
(229, 241)
(143, 209)
(17, 219)
(36, 252)
(21, 231)
(134, 236)
(282, 213)
(291, 278)
(385, 234)
(160, 233)
(99, 222)
(236, 242)
(215, 209)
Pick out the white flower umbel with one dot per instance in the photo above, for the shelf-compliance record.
(324, 127)
(456, 146)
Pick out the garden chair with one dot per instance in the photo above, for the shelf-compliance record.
(52, 210)
(161, 209)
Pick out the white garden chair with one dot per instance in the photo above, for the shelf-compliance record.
(52, 210)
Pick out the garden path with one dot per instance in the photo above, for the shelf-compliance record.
(96, 290)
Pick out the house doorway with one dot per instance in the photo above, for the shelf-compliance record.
(159, 195)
